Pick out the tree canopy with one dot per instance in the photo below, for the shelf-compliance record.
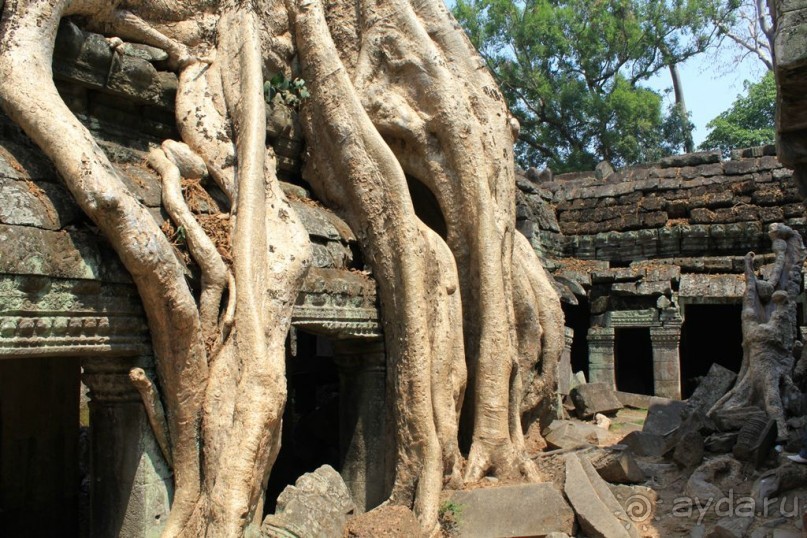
(572, 72)
(750, 121)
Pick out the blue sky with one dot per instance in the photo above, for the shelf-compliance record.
(711, 83)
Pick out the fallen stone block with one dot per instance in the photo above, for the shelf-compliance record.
(598, 512)
(382, 522)
(664, 417)
(645, 444)
(318, 504)
(616, 465)
(522, 510)
(714, 386)
(572, 434)
(755, 440)
(689, 450)
(730, 527)
(593, 398)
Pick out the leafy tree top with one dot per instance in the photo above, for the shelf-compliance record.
(750, 121)
(571, 71)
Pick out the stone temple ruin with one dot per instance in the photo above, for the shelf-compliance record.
(649, 262)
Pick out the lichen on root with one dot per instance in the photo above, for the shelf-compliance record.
(397, 94)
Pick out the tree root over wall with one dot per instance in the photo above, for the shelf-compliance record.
(397, 94)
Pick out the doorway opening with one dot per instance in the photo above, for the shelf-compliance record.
(711, 333)
(578, 318)
(633, 360)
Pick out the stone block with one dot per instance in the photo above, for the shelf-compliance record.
(617, 465)
(689, 450)
(318, 504)
(648, 444)
(594, 398)
(717, 382)
(599, 513)
(691, 159)
(521, 510)
(709, 481)
(664, 417)
(571, 434)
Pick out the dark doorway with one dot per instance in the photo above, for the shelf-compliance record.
(310, 436)
(633, 358)
(578, 318)
(711, 333)
(39, 439)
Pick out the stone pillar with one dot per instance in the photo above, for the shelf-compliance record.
(565, 364)
(362, 419)
(601, 356)
(130, 483)
(666, 361)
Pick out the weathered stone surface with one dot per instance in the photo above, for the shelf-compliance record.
(571, 434)
(593, 398)
(730, 527)
(383, 522)
(663, 417)
(648, 444)
(598, 512)
(318, 504)
(43, 205)
(522, 510)
(716, 383)
(689, 450)
(617, 465)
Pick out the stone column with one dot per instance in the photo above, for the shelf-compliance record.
(130, 483)
(601, 356)
(666, 360)
(362, 419)
(565, 364)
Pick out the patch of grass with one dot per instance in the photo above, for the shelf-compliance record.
(449, 516)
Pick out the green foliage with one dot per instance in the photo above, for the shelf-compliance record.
(449, 516)
(287, 92)
(748, 122)
(572, 70)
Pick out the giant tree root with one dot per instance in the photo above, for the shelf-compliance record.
(769, 331)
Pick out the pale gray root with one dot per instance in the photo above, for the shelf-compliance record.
(449, 372)
(214, 270)
(271, 256)
(449, 128)
(541, 337)
(769, 331)
(353, 169)
(268, 268)
(29, 98)
(154, 411)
